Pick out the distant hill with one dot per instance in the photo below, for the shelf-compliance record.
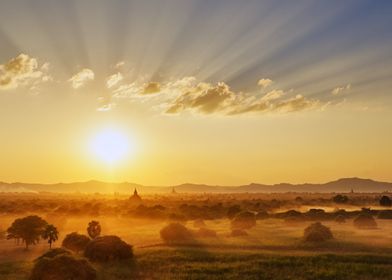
(340, 185)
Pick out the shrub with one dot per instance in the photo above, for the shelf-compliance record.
(199, 223)
(365, 221)
(244, 220)
(238, 232)
(317, 233)
(75, 242)
(59, 265)
(205, 232)
(385, 201)
(315, 214)
(106, 248)
(290, 214)
(175, 232)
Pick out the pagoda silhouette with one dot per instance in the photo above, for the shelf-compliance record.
(135, 198)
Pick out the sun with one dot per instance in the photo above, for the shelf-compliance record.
(111, 146)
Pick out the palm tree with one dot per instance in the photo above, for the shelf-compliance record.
(94, 229)
(51, 234)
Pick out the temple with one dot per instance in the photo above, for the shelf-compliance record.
(135, 198)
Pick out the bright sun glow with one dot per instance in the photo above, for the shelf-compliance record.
(111, 146)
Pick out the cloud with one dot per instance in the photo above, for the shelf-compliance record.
(264, 82)
(186, 94)
(127, 90)
(151, 88)
(206, 98)
(105, 104)
(113, 80)
(81, 78)
(119, 64)
(22, 70)
(341, 90)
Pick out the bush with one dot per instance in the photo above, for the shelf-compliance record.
(365, 221)
(62, 265)
(205, 232)
(175, 232)
(199, 223)
(75, 242)
(385, 201)
(316, 214)
(317, 233)
(107, 248)
(238, 232)
(244, 220)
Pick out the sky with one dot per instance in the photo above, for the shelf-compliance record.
(205, 91)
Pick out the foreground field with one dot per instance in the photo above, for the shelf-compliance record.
(198, 263)
(272, 250)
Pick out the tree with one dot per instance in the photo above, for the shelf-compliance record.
(94, 229)
(29, 229)
(51, 234)
(385, 201)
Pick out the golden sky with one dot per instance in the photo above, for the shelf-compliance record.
(194, 91)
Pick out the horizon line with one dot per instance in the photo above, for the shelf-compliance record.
(188, 183)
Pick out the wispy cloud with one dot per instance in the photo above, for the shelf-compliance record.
(81, 78)
(265, 82)
(113, 80)
(341, 90)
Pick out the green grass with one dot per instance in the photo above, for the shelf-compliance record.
(198, 263)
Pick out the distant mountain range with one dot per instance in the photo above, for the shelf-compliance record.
(341, 185)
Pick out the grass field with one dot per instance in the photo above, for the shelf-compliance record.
(272, 250)
(196, 263)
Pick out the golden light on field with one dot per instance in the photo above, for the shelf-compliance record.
(111, 146)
